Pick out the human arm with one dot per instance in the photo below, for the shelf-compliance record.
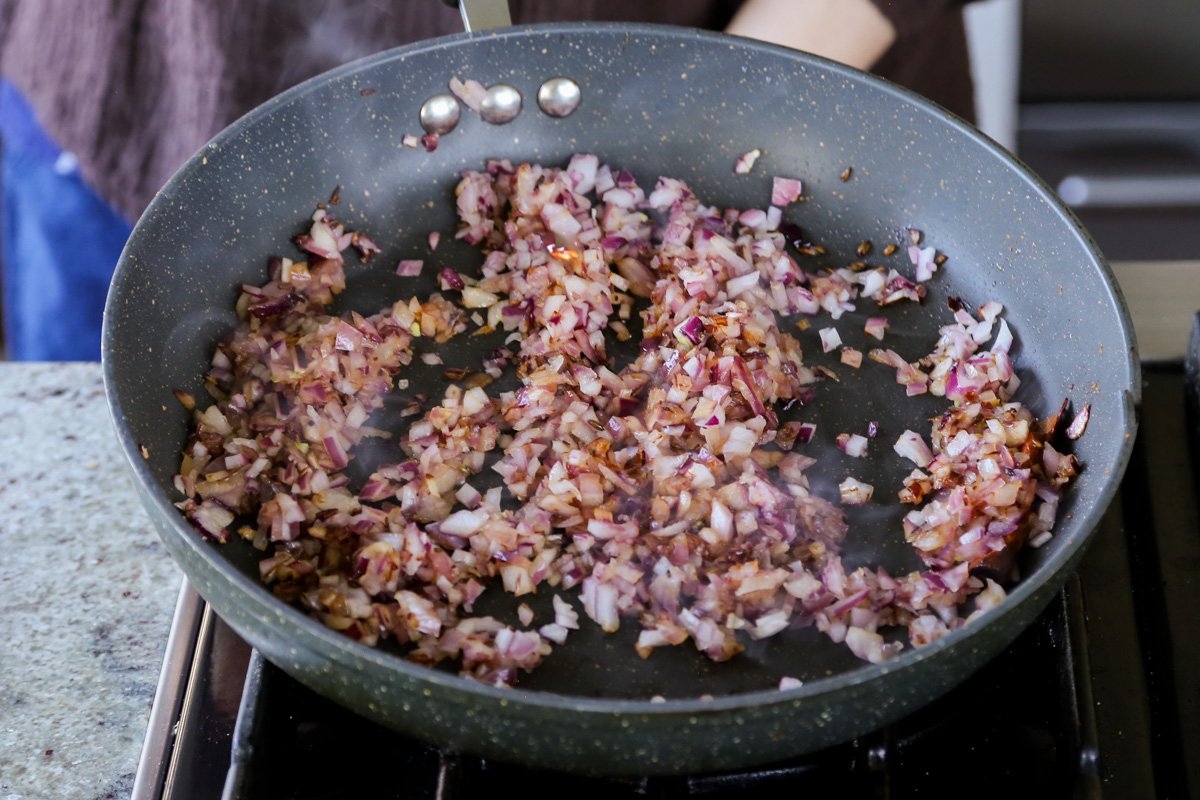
(854, 32)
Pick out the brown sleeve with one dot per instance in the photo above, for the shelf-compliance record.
(930, 55)
(912, 16)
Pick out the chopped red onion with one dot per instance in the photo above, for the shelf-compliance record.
(560, 220)
(746, 162)
(830, 339)
(852, 444)
(924, 259)
(1004, 339)
(690, 331)
(410, 268)
(738, 286)
(755, 219)
(1079, 424)
(855, 492)
(664, 492)
(911, 446)
(449, 279)
(876, 326)
(785, 191)
(471, 92)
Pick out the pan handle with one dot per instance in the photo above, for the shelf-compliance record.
(480, 15)
(1130, 191)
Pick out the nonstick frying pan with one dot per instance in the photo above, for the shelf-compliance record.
(658, 101)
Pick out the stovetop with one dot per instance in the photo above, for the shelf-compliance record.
(1099, 698)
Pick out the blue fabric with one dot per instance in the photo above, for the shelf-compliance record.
(59, 243)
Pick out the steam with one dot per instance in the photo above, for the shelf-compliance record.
(332, 33)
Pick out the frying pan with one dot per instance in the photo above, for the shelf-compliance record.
(658, 101)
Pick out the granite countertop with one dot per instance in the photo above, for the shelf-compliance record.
(86, 591)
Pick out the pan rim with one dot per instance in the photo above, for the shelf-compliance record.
(345, 652)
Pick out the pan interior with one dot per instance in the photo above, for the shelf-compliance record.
(656, 101)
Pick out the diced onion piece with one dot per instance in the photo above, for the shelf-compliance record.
(690, 331)
(852, 444)
(473, 297)
(830, 340)
(463, 523)
(471, 92)
(554, 632)
(866, 645)
(910, 445)
(1004, 339)
(855, 492)
(785, 191)
(1079, 424)
(746, 161)
(805, 433)
(735, 287)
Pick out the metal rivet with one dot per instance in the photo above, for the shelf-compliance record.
(501, 104)
(559, 97)
(440, 114)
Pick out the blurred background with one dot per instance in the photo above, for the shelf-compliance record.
(101, 102)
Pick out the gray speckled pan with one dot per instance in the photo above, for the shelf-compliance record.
(659, 101)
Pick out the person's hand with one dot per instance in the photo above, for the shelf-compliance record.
(853, 32)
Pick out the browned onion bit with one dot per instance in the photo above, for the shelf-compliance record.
(1079, 424)
(863, 249)
(889, 249)
(478, 380)
(845, 176)
(1049, 426)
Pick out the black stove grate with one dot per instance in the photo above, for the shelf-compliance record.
(1015, 721)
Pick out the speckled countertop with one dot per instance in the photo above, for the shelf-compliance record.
(86, 591)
